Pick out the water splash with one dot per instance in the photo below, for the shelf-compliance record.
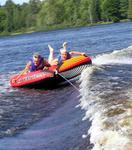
(106, 97)
(116, 57)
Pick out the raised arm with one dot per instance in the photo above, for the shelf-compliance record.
(24, 71)
(77, 53)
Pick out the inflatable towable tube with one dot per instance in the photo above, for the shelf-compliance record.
(47, 78)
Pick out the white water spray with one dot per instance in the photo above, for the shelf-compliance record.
(110, 126)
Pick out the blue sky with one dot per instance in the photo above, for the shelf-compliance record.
(2, 2)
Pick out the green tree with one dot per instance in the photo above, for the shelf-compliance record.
(17, 22)
(123, 8)
(9, 7)
(51, 13)
(130, 9)
(32, 10)
(3, 20)
(110, 10)
(84, 11)
(24, 17)
(55, 13)
(94, 11)
(70, 12)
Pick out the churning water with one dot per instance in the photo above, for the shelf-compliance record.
(106, 96)
(32, 119)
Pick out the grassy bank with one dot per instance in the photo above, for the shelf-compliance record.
(53, 27)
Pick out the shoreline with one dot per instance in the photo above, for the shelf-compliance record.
(55, 27)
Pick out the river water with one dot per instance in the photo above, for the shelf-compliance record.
(97, 117)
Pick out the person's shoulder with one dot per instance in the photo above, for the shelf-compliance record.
(41, 57)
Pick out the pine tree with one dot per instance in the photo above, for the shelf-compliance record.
(9, 6)
(84, 11)
(110, 10)
(3, 19)
(130, 9)
(123, 8)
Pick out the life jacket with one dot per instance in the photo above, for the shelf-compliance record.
(60, 61)
(40, 66)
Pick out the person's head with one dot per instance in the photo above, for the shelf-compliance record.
(63, 54)
(36, 58)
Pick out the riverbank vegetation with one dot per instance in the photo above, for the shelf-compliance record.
(57, 14)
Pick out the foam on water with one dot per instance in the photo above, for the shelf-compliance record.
(5, 87)
(116, 57)
(107, 103)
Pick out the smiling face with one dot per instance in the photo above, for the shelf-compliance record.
(63, 55)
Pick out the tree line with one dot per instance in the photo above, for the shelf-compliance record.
(52, 14)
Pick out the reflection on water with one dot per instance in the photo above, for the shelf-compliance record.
(20, 108)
